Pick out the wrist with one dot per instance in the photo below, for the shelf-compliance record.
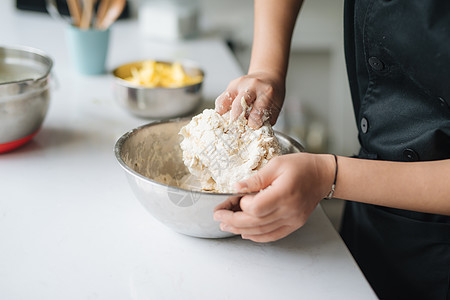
(273, 72)
(329, 169)
(334, 176)
(270, 76)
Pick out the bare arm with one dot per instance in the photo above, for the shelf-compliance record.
(294, 184)
(272, 39)
(418, 186)
(264, 85)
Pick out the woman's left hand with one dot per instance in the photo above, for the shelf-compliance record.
(263, 91)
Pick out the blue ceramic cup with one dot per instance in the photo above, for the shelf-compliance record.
(88, 49)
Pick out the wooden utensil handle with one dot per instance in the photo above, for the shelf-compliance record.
(75, 11)
(103, 7)
(86, 17)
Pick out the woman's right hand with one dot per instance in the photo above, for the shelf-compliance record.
(262, 90)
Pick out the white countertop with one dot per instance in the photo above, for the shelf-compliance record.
(70, 227)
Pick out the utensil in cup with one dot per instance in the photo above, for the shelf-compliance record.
(75, 11)
(111, 13)
(86, 15)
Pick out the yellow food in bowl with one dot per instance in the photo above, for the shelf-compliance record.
(159, 74)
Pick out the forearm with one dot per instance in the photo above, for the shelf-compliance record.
(418, 186)
(272, 40)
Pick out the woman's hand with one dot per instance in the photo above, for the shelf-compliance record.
(264, 86)
(290, 188)
(264, 91)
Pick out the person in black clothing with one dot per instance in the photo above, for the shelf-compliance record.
(397, 218)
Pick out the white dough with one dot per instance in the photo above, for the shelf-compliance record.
(220, 152)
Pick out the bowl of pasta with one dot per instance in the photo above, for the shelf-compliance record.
(159, 89)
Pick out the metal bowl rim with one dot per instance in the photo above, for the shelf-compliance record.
(126, 83)
(119, 143)
(35, 51)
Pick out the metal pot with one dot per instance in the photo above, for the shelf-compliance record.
(24, 94)
(153, 150)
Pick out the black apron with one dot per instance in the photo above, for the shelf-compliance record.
(398, 63)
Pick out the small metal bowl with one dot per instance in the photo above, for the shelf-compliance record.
(158, 102)
(152, 151)
(24, 94)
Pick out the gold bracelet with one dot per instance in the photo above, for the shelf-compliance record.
(333, 187)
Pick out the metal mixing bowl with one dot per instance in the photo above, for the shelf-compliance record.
(152, 151)
(158, 102)
(24, 94)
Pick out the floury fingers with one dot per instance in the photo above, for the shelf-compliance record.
(221, 152)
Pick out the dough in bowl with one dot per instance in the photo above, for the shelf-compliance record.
(221, 152)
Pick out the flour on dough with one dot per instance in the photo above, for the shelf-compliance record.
(220, 152)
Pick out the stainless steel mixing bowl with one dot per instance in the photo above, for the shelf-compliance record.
(152, 151)
(158, 102)
(24, 94)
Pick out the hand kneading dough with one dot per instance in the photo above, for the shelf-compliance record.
(220, 152)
